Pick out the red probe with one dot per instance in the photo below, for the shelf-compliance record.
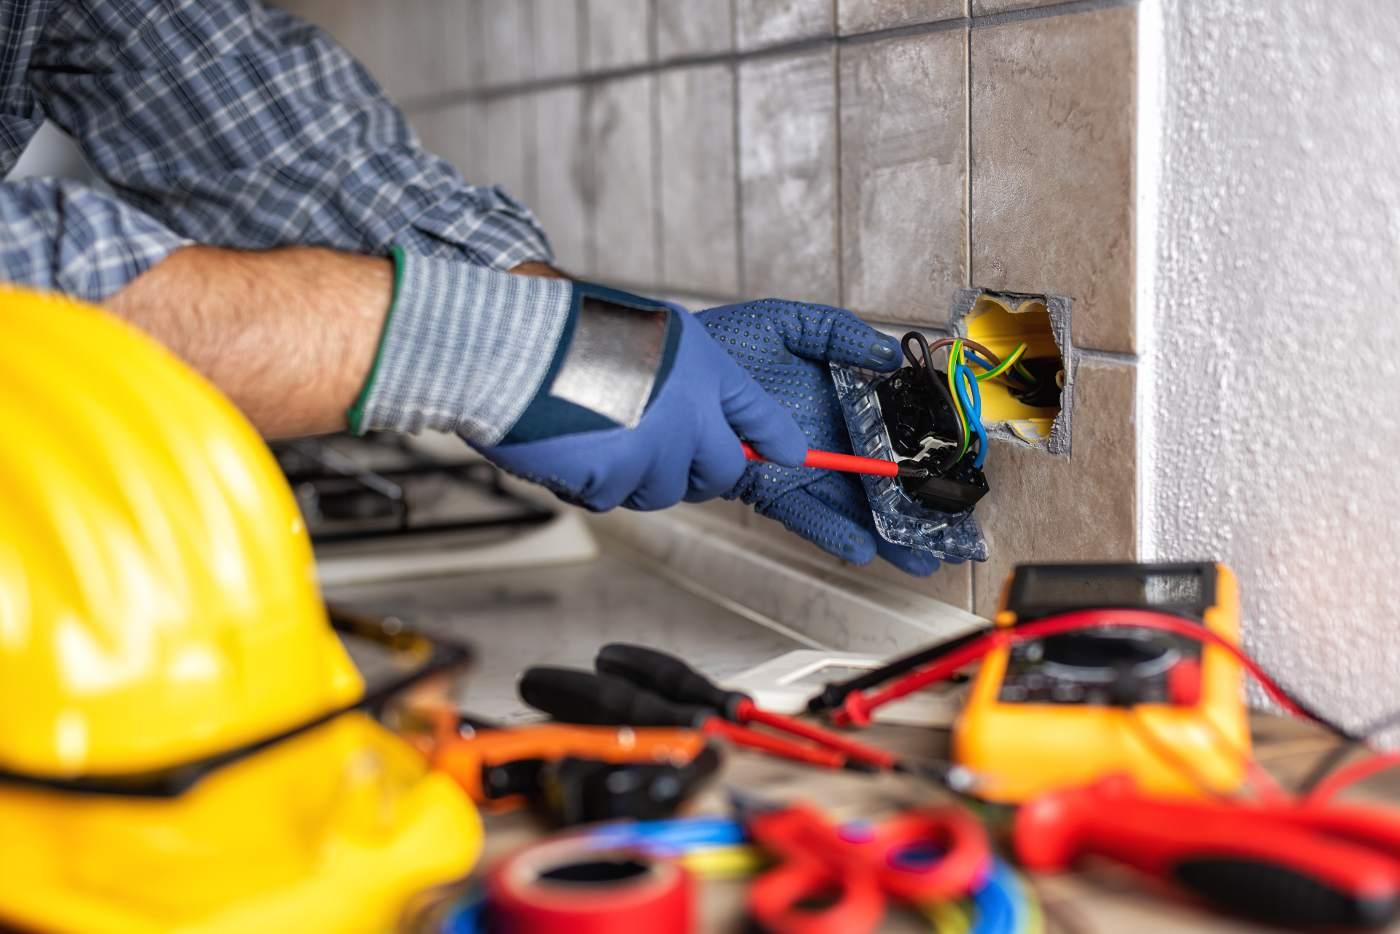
(849, 463)
(1299, 864)
(856, 708)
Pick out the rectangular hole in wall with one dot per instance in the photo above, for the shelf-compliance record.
(1029, 402)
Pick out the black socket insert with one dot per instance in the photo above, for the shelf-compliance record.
(914, 410)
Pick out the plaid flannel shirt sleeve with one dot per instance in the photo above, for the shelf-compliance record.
(231, 124)
(66, 237)
(239, 125)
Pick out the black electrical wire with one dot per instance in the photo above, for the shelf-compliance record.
(833, 695)
(1328, 762)
(924, 363)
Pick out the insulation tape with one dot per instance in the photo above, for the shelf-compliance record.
(570, 886)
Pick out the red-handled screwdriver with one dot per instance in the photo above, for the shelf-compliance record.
(1296, 864)
(850, 463)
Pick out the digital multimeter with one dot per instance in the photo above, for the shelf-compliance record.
(1072, 708)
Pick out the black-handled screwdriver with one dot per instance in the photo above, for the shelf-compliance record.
(669, 676)
(573, 696)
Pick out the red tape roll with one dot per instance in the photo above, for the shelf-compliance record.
(569, 886)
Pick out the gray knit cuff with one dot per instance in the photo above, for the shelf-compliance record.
(464, 349)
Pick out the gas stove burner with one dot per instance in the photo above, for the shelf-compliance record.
(369, 490)
(349, 505)
(1102, 657)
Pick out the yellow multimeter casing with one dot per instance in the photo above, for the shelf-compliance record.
(1042, 715)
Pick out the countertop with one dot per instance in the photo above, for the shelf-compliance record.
(1102, 899)
(563, 614)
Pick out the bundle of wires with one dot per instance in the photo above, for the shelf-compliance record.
(962, 393)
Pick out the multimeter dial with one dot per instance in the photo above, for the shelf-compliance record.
(1101, 668)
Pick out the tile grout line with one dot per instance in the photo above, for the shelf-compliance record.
(654, 91)
(1105, 356)
(967, 157)
(741, 270)
(974, 571)
(657, 212)
(450, 98)
(1069, 8)
(838, 171)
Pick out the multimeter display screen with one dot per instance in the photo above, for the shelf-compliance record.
(1041, 590)
(1109, 666)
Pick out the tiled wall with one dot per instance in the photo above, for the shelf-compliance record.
(877, 154)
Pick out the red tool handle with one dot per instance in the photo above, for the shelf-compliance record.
(664, 674)
(773, 745)
(919, 856)
(1281, 863)
(831, 460)
(749, 712)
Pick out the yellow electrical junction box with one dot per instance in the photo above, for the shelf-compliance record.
(1071, 708)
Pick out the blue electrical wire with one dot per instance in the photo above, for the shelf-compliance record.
(1001, 905)
(976, 358)
(671, 837)
(972, 409)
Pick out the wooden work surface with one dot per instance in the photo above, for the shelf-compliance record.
(1101, 900)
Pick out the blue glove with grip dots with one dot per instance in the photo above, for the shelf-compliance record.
(786, 347)
(685, 442)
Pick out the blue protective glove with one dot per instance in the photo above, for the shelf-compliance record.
(786, 346)
(686, 444)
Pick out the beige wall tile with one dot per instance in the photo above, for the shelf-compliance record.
(624, 235)
(1084, 507)
(554, 37)
(454, 133)
(413, 48)
(768, 22)
(564, 198)
(448, 41)
(688, 27)
(787, 176)
(699, 213)
(983, 7)
(904, 176)
(617, 33)
(507, 148)
(505, 43)
(1052, 165)
(865, 15)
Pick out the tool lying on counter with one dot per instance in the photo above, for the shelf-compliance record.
(1090, 670)
(832, 879)
(639, 686)
(851, 463)
(1295, 863)
(578, 774)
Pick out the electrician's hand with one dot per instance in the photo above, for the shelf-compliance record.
(786, 346)
(641, 408)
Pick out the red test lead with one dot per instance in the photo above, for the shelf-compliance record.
(849, 463)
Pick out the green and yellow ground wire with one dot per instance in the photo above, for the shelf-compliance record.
(1007, 362)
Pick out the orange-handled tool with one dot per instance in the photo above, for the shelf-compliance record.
(498, 767)
(849, 463)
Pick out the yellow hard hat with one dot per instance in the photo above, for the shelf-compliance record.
(158, 604)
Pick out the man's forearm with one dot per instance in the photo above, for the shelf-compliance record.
(288, 334)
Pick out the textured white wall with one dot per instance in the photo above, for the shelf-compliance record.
(1272, 406)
